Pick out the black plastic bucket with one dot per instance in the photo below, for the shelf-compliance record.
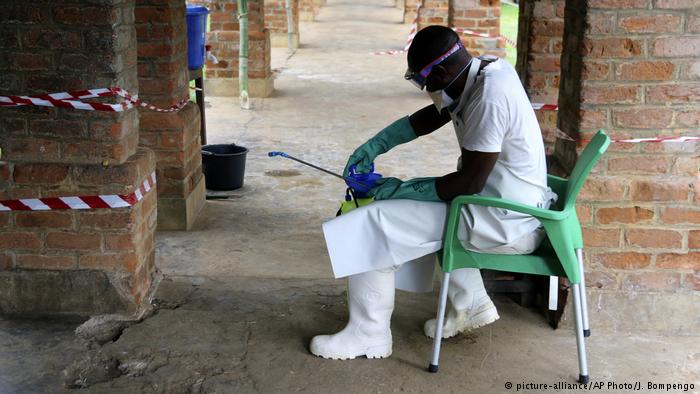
(223, 166)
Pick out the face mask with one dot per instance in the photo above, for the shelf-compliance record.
(440, 98)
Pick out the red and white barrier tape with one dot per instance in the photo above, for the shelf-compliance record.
(75, 99)
(81, 202)
(660, 139)
(545, 107)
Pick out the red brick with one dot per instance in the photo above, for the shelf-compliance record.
(686, 165)
(644, 71)
(694, 239)
(601, 280)
(691, 70)
(612, 47)
(73, 241)
(584, 213)
(85, 15)
(688, 118)
(51, 219)
(554, 28)
(601, 23)
(692, 281)
(676, 4)
(650, 23)
(601, 189)
(676, 215)
(693, 24)
(108, 220)
(52, 174)
(5, 219)
(626, 260)
(606, 94)
(19, 240)
(154, 14)
(24, 13)
(112, 261)
(685, 261)
(646, 118)
(43, 261)
(593, 119)
(615, 4)
(57, 128)
(676, 46)
(601, 238)
(669, 94)
(546, 63)
(43, 38)
(654, 238)
(29, 61)
(638, 164)
(6, 261)
(119, 242)
(659, 190)
(624, 215)
(595, 71)
(100, 175)
(30, 149)
(652, 281)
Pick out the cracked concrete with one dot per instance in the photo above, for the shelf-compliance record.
(247, 288)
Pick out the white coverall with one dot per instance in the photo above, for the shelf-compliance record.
(491, 116)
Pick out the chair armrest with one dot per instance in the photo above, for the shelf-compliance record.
(506, 204)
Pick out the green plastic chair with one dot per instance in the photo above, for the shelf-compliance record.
(560, 255)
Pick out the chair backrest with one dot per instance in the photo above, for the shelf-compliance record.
(588, 158)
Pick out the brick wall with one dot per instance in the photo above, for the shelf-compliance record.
(276, 22)
(479, 15)
(87, 261)
(222, 79)
(482, 16)
(540, 30)
(308, 9)
(631, 67)
(174, 137)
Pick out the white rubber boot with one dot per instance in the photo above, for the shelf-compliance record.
(368, 332)
(470, 306)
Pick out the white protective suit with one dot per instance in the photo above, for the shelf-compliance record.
(405, 234)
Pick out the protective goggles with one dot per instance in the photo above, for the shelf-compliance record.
(418, 79)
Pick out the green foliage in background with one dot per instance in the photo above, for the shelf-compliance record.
(509, 28)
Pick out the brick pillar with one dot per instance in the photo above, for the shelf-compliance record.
(631, 67)
(72, 261)
(222, 78)
(478, 15)
(540, 30)
(276, 22)
(483, 16)
(308, 9)
(174, 137)
(432, 12)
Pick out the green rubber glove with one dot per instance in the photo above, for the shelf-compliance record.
(421, 189)
(396, 133)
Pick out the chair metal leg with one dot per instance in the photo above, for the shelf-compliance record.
(440, 321)
(580, 341)
(584, 303)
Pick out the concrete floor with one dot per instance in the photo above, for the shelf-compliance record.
(243, 293)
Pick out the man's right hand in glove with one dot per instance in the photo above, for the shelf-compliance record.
(395, 134)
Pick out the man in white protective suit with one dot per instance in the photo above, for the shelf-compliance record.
(392, 242)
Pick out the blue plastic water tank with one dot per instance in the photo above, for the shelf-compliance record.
(196, 35)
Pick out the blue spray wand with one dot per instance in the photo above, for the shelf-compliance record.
(346, 179)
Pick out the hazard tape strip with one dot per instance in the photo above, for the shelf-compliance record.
(74, 99)
(82, 202)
